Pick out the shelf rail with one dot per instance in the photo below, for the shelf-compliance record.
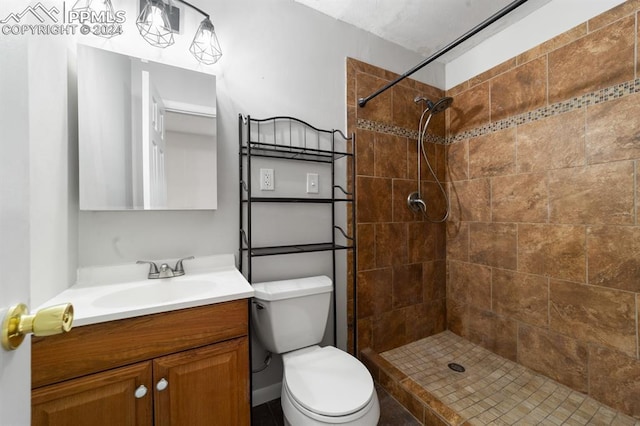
(294, 139)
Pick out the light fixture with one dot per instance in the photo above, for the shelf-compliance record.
(205, 46)
(102, 8)
(154, 26)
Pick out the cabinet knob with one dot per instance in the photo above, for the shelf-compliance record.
(140, 391)
(162, 384)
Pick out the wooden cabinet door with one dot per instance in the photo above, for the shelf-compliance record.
(101, 399)
(205, 386)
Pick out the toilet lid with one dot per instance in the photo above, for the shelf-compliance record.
(328, 381)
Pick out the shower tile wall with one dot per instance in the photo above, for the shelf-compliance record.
(400, 262)
(543, 246)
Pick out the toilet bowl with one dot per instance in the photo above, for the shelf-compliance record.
(324, 385)
(320, 385)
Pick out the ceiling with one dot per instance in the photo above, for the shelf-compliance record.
(424, 26)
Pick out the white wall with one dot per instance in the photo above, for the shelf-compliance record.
(280, 58)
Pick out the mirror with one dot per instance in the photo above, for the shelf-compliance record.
(147, 134)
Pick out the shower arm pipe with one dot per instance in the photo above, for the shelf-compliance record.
(475, 30)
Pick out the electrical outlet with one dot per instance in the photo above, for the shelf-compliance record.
(313, 183)
(267, 180)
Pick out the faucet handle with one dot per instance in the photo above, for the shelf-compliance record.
(179, 269)
(153, 268)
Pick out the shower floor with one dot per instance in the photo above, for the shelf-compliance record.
(492, 390)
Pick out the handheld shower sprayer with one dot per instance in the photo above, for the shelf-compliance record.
(415, 201)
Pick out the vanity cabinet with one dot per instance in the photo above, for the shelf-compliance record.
(106, 398)
(187, 367)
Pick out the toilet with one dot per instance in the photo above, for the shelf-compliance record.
(320, 385)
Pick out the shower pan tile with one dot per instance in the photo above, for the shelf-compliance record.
(492, 390)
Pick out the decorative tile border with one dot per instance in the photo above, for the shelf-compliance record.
(603, 95)
(376, 126)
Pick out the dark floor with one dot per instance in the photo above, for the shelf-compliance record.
(391, 412)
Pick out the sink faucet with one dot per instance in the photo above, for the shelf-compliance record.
(164, 271)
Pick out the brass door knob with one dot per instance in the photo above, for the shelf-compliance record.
(48, 321)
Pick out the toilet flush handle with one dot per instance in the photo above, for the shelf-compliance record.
(258, 305)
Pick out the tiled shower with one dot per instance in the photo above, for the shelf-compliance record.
(540, 259)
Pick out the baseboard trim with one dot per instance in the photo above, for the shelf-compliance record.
(266, 394)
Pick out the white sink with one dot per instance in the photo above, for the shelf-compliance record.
(155, 292)
(112, 293)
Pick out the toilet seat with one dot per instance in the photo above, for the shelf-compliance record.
(327, 382)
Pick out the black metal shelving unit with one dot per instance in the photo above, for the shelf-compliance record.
(295, 140)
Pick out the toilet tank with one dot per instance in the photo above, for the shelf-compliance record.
(291, 314)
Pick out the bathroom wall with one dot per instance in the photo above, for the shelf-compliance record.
(400, 262)
(280, 58)
(542, 247)
(296, 73)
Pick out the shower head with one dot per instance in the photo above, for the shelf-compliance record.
(440, 105)
(435, 108)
